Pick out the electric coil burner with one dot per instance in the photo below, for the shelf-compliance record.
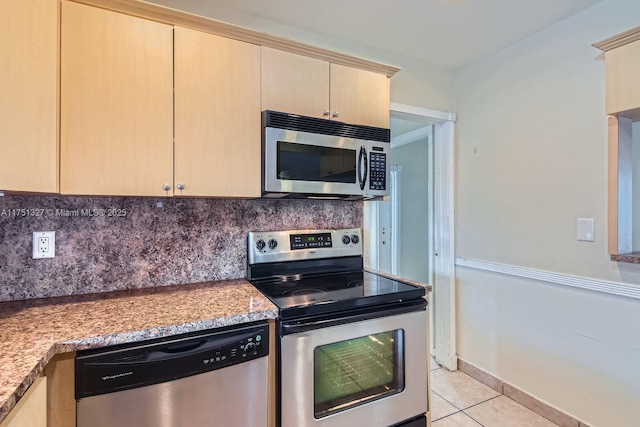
(352, 343)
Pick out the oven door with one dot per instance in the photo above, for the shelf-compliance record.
(309, 163)
(371, 372)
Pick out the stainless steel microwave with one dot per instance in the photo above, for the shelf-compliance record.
(308, 157)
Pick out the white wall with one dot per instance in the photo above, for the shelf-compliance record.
(531, 155)
(418, 83)
(575, 350)
(414, 220)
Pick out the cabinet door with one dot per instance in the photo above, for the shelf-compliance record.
(31, 409)
(217, 115)
(61, 401)
(294, 83)
(28, 100)
(359, 97)
(623, 86)
(116, 103)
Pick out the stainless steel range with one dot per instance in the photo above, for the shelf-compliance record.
(352, 344)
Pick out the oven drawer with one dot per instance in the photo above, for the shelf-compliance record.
(370, 372)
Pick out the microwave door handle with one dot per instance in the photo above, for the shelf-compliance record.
(366, 169)
(362, 160)
(360, 167)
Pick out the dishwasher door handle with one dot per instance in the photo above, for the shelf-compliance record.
(181, 348)
(185, 349)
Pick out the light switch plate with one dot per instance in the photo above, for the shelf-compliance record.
(585, 229)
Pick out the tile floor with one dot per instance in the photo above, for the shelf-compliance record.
(457, 400)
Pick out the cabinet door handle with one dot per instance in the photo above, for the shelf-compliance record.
(336, 114)
(181, 186)
(326, 112)
(166, 187)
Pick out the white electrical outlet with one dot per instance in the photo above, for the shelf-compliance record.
(44, 244)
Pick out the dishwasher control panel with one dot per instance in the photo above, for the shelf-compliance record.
(246, 348)
(123, 367)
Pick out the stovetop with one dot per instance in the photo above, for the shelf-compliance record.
(315, 272)
(287, 292)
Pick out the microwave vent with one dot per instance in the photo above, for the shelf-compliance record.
(275, 119)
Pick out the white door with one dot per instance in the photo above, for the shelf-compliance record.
(385, 234)
(420, 214)
(382, 228)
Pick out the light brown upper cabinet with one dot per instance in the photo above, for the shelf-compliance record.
(28, 95)
(294, 83)
(116, 103)
(297, 84)
(359, 96)
(623, 84)
(217, 116)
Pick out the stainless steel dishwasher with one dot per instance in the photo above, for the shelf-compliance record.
(217, 378)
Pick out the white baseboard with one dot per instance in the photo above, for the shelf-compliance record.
(602, 286)
(541, 408)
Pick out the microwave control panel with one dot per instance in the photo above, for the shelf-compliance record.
(378, 174)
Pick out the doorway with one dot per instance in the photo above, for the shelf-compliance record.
(411, 233)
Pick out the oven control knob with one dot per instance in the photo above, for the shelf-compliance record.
(273, 243)
(260, 244)
(346, 240)
(355, 239)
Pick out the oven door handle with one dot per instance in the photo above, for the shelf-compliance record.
(358, 315)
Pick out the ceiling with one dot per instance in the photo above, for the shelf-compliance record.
(447, 33)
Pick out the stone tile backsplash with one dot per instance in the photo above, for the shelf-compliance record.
(112, 243)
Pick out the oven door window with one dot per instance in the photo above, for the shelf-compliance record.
(356, 371)
(303, 162)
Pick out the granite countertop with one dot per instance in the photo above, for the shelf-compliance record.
(33, 331)
(632, 258)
